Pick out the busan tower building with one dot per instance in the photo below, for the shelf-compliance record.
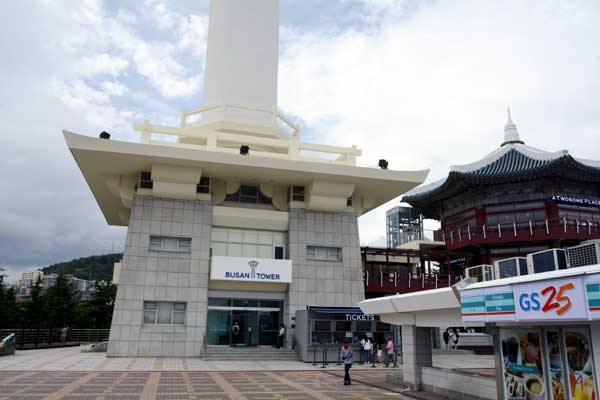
(233, 219)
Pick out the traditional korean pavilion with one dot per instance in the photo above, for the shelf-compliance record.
(514, 201)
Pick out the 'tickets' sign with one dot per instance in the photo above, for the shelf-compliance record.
(250, 269)
(575, 298)
(556, 299)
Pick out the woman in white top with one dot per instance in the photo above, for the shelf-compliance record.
(367, 350)
(281, 336)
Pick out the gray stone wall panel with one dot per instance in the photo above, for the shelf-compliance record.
(162, 276)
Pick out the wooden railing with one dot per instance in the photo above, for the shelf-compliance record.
(405, 282)
(530, 230)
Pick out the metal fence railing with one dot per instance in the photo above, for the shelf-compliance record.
(8, 345)
(44, 337)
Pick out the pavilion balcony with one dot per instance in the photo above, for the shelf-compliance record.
(382, 282)
(547, 229)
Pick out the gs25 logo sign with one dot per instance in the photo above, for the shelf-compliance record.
(548, 299)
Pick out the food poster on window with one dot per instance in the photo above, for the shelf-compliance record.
(523, 373)
(557, 388)
(580, 364)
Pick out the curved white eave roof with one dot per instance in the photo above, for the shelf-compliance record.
(434, 299)
(100, 158)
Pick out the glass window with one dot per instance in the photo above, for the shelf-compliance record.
(204, 185)
(150, 317)
(278, 252)
(322, 325)
(146, 180)
(382, 327)
(245, 303)
(270, 304)
(162, 243)
(363, 326)
(321, 338)
(164, 313)
(219, 302)
(324, 253)
(297, 193)
(184, 244)
(343, 326)
(249, 194)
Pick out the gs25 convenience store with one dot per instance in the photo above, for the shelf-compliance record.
(546, 331)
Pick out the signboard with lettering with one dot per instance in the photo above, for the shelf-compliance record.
(246, 269)
(573, 298)
(580, 201)
(556, 299)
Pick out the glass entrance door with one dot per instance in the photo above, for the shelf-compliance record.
(255, 321)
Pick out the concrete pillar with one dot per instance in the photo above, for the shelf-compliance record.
(416, 353)
(242, 56)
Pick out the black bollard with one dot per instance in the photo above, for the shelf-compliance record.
(314, 356)
(339, 361)
(395, 358)
(324, 358)
(373, 359)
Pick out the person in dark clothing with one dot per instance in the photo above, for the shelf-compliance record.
(455, 337)
(281, 336)
(446, 337)
(347, 358)
(235, 334)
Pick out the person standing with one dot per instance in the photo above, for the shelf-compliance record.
(455, 337)
(362, 348)
(446, 337)
(367, 350)
(235, 334)
(63, 334)
(347, 358)
(281, 336)
(389, 351)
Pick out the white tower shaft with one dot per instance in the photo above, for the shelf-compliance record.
(242, 54)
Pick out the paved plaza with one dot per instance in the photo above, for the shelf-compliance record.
(66, 373)
(72, 359)
(251, 385)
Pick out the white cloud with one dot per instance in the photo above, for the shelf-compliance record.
(428, 87)
(115, 88)
(102, 64)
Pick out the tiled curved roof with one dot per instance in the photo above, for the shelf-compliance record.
(509, 162)
(512, 162)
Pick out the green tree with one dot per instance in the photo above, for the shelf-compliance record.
(8, 304)
(59, 303)
(97, 311)
(34, 307)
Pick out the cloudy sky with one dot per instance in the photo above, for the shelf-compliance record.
(424, 84)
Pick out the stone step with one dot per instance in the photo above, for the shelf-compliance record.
(249, 354)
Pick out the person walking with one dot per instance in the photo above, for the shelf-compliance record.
(446, 337)
(367, 350)
(347, 357)
(455, 337)
(235, 334)
(377, 350)
(281, 336)
(389, 351)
